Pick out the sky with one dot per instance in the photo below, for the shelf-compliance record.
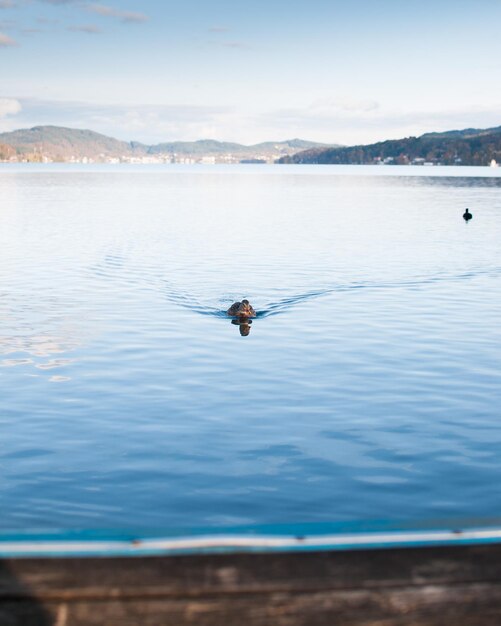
(350, 72)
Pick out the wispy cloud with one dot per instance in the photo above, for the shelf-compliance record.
(123, 16)
(236, 45)
(6, 41)
(89, 29)
(223, 42)
(9, 106)
(343, 104)
(7, 4)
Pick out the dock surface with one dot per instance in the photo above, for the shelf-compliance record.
(434, 586)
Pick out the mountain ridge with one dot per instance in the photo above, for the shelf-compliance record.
(470, 146)
(61, 143)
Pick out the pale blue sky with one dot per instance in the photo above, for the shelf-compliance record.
(349, 72)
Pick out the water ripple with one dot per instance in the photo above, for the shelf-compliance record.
(126, 403)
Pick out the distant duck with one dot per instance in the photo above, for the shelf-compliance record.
(467, 215)
(241, 309)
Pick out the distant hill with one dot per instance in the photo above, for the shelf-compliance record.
(470, 146)
(212, 147)
(60, 143)
(456, 147)
(466, 133)
(56, 143)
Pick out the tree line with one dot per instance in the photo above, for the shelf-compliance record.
(480, 149)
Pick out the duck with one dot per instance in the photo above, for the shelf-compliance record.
(243, 310)
(467, 215)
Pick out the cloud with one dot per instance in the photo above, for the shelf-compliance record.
(152, 124)
(218, 29)
(148, 123)
(6, 41)
(90, 29)
(9, 106)
(123, 16)
(368, 125)
(7, 4)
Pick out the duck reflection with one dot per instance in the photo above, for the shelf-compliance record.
(244, 325)
(242, 312)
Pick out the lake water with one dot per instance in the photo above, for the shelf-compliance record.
(368, 387)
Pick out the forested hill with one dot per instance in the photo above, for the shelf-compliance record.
(457, 147)
(58, 143)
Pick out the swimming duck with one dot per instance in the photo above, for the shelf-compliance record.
(241, 309)
(467, 215)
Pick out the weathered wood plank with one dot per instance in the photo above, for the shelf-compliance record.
(432, 586)
(438, 606)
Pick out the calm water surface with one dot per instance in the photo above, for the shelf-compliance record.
(369, 386)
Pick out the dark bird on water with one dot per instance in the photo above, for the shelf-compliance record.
(241, 309)
(467, 215)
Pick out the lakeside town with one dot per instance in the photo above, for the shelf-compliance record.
(181, 159)
(53, 144)
(205, 159)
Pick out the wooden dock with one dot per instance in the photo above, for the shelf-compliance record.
(436, 586)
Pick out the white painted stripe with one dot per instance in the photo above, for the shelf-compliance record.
(22, 548)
